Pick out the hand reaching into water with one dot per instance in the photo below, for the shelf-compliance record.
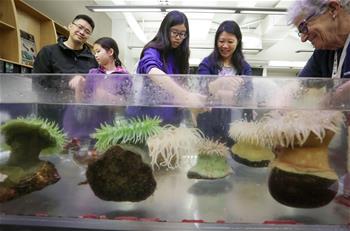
(225, 84)
(225, 88)
(77, 83)
(339, 96)
(190, 99)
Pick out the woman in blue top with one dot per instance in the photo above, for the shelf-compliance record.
(167, 53)
(226, 60)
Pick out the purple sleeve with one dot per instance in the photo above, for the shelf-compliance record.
(122, 85)
(204, 67)
(247, 70)
(150, 59)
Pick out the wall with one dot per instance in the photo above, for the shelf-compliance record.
(63, 12)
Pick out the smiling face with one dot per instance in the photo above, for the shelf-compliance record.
(226, 45)
(320, 30)
(79, 31)
(177, 34)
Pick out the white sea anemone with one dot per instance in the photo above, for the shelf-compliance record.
(166, 147)
(286, 127)
(211, 147)
(250, 133)
(290, 127)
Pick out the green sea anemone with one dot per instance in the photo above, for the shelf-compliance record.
(133, 131)
(123, 172)
(211, 161)
(27, 138)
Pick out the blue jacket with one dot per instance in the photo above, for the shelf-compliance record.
(215, 124)
(170, 115)
(320, 64)
(208, 66)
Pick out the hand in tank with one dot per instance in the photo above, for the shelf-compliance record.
(76, 81)
(339, 96)
(225, 84)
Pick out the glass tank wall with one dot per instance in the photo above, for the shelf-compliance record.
(133, 152)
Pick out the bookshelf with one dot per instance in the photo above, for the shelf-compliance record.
(18, 18)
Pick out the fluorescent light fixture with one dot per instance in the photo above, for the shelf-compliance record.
(214, 11)
(201, 9)
(262, 12)
(127, 10)
(277, 63)
(123, 8)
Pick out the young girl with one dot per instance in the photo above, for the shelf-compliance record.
(167, 53)
(106, 85)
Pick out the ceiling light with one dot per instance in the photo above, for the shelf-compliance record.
(214, 11)
(262, 12)
(123, 8)
(201, 9)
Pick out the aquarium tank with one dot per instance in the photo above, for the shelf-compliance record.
(180, 152)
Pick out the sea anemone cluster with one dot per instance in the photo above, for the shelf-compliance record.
(167, 147)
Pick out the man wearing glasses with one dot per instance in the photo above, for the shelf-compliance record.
(68, 55)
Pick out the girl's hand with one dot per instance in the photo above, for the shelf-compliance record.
(76, 82)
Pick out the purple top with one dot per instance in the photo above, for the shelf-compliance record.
(170, 115)
(82, 120)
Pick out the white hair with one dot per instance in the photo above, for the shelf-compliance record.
(311, 7)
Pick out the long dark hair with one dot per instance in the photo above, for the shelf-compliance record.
(162, 42)
(109, 43)
(237, 56)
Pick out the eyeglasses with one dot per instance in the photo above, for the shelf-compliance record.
(303, 26)
(82, 28)
(182, 35)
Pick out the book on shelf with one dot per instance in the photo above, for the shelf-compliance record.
(2, 66)
(12, 68)
(28, 50)
(9, 67)
(26, 70)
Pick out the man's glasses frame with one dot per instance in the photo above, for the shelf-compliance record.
(82, 28)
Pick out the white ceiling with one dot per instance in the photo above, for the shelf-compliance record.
(270, 33)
